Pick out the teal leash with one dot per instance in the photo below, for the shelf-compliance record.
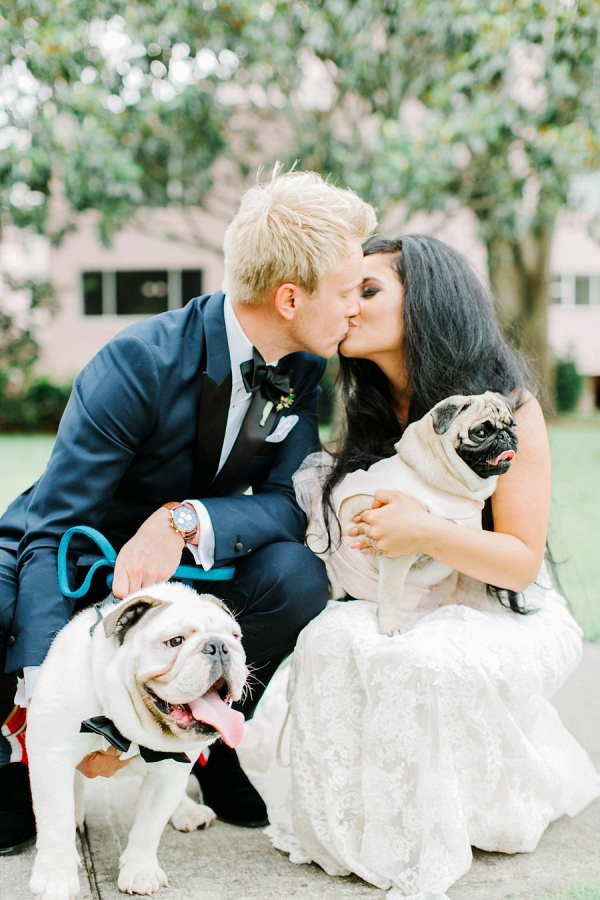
(182, 573)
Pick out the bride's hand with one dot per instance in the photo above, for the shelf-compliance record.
(396, 522)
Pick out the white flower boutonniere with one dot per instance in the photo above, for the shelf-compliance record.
(265, 413)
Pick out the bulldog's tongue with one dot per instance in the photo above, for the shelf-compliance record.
(508, 454)
(211, 710)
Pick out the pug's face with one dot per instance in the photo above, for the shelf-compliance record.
(182, 661)
(480, 429)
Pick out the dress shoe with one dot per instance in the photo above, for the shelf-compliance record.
(227, 789)
(17, 822)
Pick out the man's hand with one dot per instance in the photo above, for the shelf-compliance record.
(152, 555)
(103, 763)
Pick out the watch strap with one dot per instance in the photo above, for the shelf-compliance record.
(186, 535)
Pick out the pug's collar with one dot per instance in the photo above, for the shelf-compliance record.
(106, 728)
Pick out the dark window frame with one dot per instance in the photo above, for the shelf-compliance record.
(104, 292)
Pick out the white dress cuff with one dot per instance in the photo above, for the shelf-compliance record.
(204, 552)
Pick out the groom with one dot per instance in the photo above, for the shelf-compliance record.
(167, 429)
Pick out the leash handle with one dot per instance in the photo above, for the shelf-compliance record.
(185, 573)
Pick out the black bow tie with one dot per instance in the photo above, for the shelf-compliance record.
(272, 381)
(107, 728)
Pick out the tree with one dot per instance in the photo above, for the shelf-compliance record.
(109, 106)
(437, 104)
(443, 104)
(115, 105)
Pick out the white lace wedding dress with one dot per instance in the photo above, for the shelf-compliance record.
(405, 751)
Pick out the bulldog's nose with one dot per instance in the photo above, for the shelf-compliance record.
(216, 648)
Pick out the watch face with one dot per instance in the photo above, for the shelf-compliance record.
(185, 518)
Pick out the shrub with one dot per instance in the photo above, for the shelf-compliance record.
(326, 399)
(568, 386)
(35, 406)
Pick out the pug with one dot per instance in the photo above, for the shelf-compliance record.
(460, 448)
(156, 673)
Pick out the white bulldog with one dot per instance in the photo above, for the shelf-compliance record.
(162, 666)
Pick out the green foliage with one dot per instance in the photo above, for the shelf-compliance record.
(108, 107)
(568, 386)
(103, 106)
(434, 104)
(34, 407)
(19, 347)
(326, 399)
(501, 97)
(439, 106)
(586, 890)
(128, 104)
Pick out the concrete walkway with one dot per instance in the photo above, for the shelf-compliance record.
(226, 863)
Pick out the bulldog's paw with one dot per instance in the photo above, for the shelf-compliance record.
(46, 884)
(390, 623)
(141, 878)
(190, 815)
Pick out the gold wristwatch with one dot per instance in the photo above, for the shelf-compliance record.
(182, 519)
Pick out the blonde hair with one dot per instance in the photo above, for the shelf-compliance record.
(294, 228)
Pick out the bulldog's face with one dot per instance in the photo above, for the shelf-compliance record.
(181, 658)
(480, 429)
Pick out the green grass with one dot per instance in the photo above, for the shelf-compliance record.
(575, 522)
(575, 519)
(588, 890)
(23, 458)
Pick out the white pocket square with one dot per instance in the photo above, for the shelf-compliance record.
(284, 427)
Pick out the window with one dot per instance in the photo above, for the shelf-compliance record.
(92, 293)
(582, 290)
(577, 290)
(139, 293)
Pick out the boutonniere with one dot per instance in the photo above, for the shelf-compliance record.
(265, 413)
(284, 402)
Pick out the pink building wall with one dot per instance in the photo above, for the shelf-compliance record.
(72, 338)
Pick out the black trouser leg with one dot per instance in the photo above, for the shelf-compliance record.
(276, 592)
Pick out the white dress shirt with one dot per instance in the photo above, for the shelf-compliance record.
(240, 350)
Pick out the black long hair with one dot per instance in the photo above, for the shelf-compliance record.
(451, 344)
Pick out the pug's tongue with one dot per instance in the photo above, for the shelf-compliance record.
(508, 454)
(211, 710)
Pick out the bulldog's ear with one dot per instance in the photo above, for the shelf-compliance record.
(127, 614)
(444, 415)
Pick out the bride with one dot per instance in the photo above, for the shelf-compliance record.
(406, 751)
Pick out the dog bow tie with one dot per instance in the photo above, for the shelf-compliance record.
(272, 381)
(106, 728)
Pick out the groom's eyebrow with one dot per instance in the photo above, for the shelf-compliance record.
(354, 287)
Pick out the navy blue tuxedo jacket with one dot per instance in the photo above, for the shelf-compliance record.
(126, 445)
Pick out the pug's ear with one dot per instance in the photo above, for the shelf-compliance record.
(127, 614)
(444, 415)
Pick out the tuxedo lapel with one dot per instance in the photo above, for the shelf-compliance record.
(215, 396)
(250, 439)
(216, 348)
(213, 410)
